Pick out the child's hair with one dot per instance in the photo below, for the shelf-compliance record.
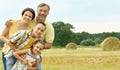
(37, 41)
(40, 22)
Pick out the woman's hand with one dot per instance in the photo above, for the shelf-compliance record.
(8, 23)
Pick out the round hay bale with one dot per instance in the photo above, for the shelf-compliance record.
(111, 44)
(71, 46)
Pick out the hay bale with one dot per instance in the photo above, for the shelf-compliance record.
(111, 44)
(71, 46)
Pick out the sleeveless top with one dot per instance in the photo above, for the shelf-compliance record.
(13, 29)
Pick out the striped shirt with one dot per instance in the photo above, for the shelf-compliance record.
(20, 39)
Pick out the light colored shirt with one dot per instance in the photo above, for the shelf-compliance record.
(22, 66)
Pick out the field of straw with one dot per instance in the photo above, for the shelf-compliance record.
(80, 59)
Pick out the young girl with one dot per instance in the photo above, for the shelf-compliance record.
(27, 59)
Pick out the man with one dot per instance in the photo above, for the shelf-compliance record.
(48, 35)
(42, 13)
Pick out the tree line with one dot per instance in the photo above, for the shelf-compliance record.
(64, 34)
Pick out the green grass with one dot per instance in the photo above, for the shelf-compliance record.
(1, 65)
(80, 59)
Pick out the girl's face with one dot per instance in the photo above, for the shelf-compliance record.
(27, 16)
(37, 48)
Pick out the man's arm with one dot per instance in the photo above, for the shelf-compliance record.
(49, 36)
(48, 45)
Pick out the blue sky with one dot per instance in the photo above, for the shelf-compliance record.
(93, 16)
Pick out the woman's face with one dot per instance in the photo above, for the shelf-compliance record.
(37, 48)
(27, 16)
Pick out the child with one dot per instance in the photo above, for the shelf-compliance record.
(29, 59)
(23, 39)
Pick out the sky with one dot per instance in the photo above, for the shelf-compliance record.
(92, 16)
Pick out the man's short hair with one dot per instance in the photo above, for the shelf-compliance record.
(43, 4)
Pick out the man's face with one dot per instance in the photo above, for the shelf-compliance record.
(42, 13)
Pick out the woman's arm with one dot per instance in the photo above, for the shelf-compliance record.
(4, 39)
(5, 31)
(21, 52)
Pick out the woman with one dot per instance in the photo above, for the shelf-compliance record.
(28, 15)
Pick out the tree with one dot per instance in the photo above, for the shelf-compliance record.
(87, 42)
(63, 33)
(97, 40)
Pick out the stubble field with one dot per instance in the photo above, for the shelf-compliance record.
(80, 59)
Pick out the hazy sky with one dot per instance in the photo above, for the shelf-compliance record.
(93, 16)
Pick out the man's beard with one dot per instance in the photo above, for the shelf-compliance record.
(40, 19)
